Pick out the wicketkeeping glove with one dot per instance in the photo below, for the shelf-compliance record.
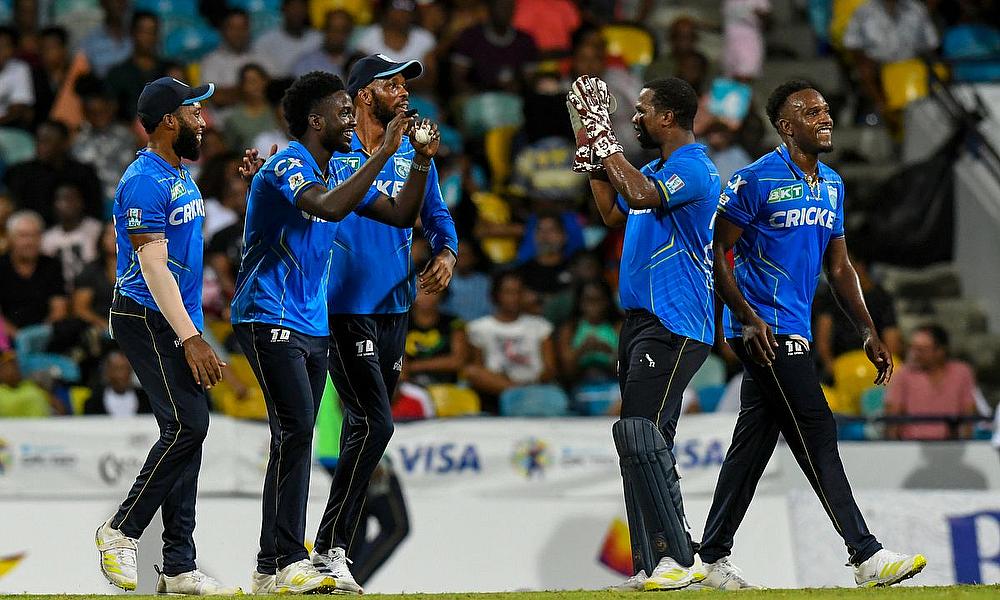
(584, 160)
(592, 100)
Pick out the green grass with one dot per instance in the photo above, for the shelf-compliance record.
(965, 592)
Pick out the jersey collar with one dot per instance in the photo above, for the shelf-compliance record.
(782, 151)
(181, 171)
(682, 151)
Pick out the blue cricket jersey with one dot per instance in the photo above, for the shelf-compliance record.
(666, 265)
(286, 251)
(787, 226)
(155, 197)
(371, 272)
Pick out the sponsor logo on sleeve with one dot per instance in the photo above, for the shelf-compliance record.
(296, 180)
(834, 195)
(133, 218)
(674, 184)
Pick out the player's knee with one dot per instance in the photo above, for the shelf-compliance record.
(382, 432)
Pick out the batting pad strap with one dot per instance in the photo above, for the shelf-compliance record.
(650, 479)
(163, 287)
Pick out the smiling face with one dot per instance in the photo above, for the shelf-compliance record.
(339, 122)
(806, 119)
(190, 127)
(388, 97)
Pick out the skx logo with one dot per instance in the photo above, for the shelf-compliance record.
(736, 183)
(284, 164)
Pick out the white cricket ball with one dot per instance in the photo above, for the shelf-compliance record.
(423, 134)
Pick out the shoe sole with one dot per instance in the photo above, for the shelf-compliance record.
(652, 586)
(918, 565)
(107, 576)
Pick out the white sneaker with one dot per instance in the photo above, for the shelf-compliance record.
(669, 575)
(193, 583)
(723, 575)
(632, 584)
(302, 578)
(262, 583)
(886, 568)
(118, 556)
(335, 563)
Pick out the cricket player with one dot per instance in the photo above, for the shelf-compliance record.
(371, 288)
(784, 214)
(156, 318)
(279, 310)
(667, 208)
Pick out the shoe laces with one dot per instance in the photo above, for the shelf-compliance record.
(340, 554)
(728, 569)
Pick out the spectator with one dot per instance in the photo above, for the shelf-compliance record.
(727, 155)
(33, 289)
(278, 49)
(396, 35)
(693, 68)
(550, 23)
(20, 397)
(588, 342)
(126, 79)
(25, 20)
(509, 348)
(106, 144)
(253, 114)
(547, 273)
(94, 287)
(212, 182)
(52, 70)
(437, 346)
(71, 239)
(7, 208)
(886, 31)
(835, 334)
(493, 55)
(334, 54)
(469, 290)
(742, 31)
(222, 65)
(109, 43)
(682, 40)
(931, 384)
(33, 183)
(226, 247)
(117, 395)
(17, 96)
(278, 136)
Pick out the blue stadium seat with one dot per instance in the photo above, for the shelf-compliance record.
(188, 42)
(483, 112)
(172, 8)
(61, 7)
(58, 366)
(534, 401)
(596, 398)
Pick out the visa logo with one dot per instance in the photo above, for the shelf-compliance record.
(439, 458)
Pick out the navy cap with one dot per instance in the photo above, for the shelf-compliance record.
(379, 66)
(165, 95)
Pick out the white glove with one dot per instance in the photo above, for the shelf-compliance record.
(584, 160)
(592, 100)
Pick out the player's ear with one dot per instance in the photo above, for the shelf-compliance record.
(315, 121)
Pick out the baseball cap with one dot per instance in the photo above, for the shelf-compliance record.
(165, 95)
(379, 66)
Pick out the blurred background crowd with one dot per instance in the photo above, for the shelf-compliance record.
(530, 323)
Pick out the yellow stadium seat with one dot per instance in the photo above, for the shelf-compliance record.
(903, 82)
(494, 209)
(835, 400)
(252, 405)
(78, 396)
(633, 44)
(498, 142)
(454, 401)
(361, 10)
(852, 375)
(843, 10)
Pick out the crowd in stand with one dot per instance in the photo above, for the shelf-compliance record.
(530, 324)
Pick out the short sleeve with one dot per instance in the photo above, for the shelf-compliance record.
(143, 205)
(838, 221)
(290, 175)
(740, 199)
(678, 185)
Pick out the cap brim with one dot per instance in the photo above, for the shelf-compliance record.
(199, 93)
(410, 69)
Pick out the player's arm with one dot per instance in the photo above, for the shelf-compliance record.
(639, 191)
(757, 335)
(403, 210)
(335, 204)
(439, 230)
(847, 291)
(605, 198)
(151, 249)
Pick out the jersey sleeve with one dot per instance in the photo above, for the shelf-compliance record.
(143, 205)
(838, 220)
(678, 185)
(740, 199)
(438, 224)
(290, 176)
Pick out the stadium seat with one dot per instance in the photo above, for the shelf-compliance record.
(492, 208)
(534, 401)
(632, 43)
(188, 41)
(78, 396)
(486, 111)
(361, 10)
(250, 407)
(711, 373)
(498, 142)
(873, 405)
(454, 401)
(172, 8)
(709, 397)
(57, 366)
(852, 375)
(596, 398)
(16, 145)
(903, 82)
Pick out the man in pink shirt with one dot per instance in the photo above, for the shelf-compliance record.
(930, 384)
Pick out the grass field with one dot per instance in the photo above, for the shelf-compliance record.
(981, 592)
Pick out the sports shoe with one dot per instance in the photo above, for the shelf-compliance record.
(118, 555)
(723, 575)
(302, 578)
(334, 562)
(886, 568)
(262, 583)
(193, 583)
(669, 575)
(632, 584)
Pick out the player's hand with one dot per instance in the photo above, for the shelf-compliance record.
(437, 274)
(879, 355)
(429, 149)
(394, 131)
(205, 365)
(252, 162)
(759, 340)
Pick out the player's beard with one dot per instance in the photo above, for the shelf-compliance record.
(383, 112)
(645, 140)
(187, 145)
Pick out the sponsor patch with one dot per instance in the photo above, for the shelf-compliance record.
(674, 184)
(177, 190)
(354, 162)
(402, 165)
(834, 195)
(296, 180)
(133, 218)
(784, 194)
